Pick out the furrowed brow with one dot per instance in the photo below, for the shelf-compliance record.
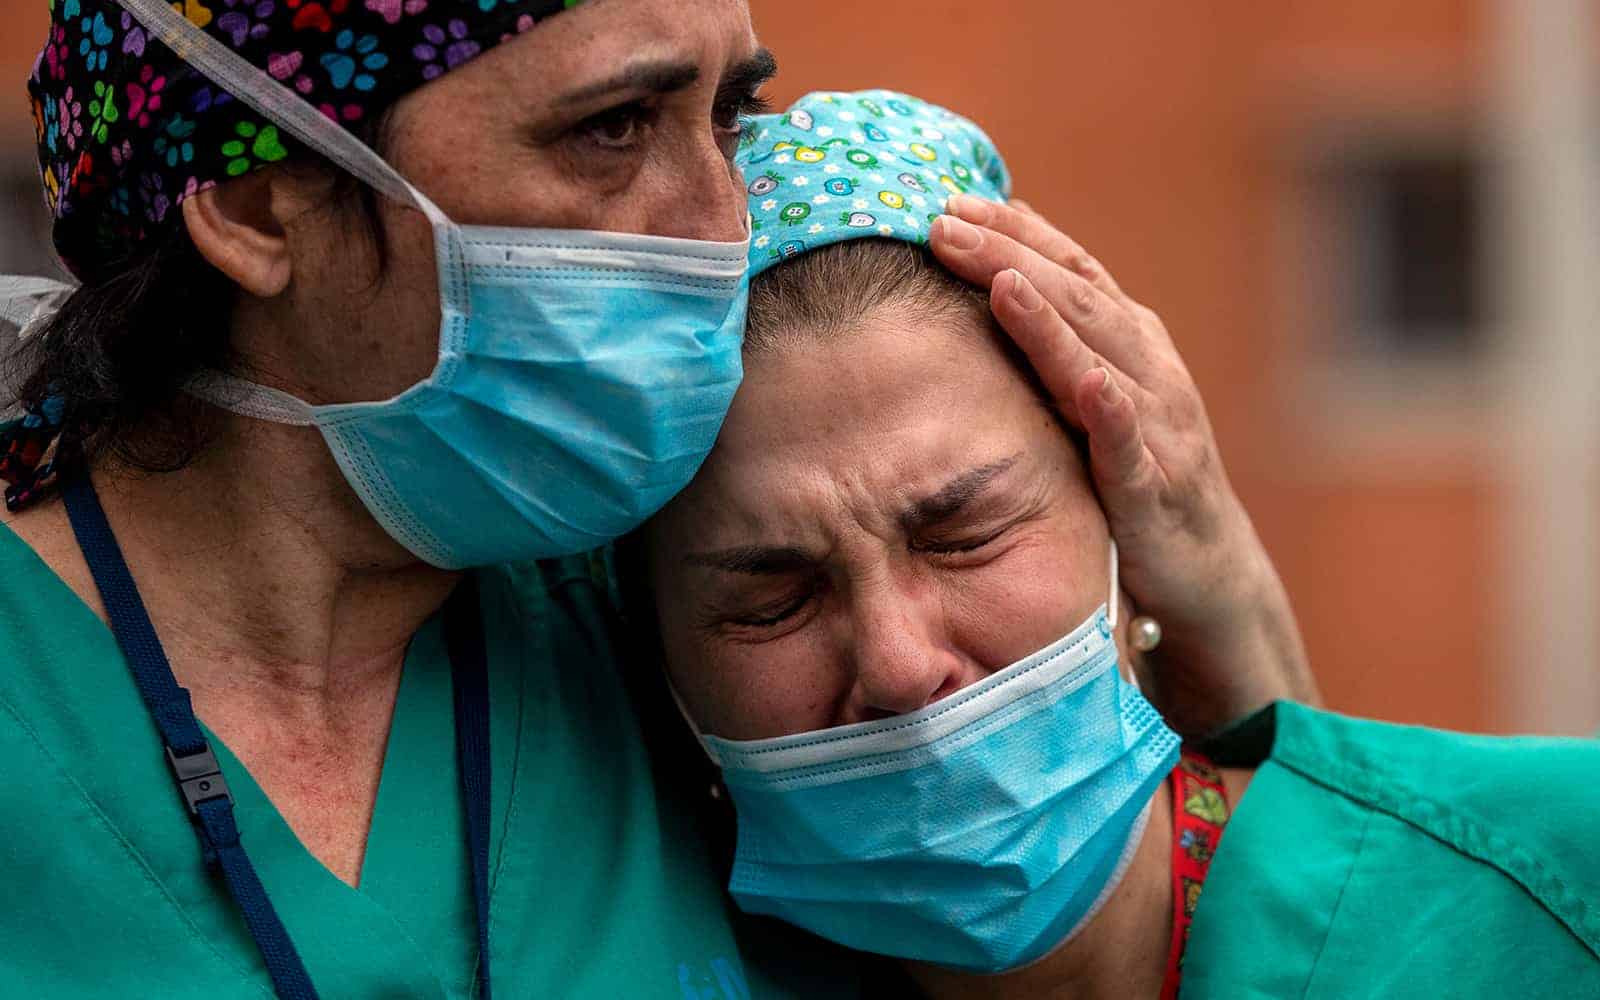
(954, 495)
(656, 77)
(754, 560)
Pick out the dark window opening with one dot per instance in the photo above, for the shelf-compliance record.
(1411, 277)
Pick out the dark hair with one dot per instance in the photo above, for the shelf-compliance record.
(121, 348)
(828, 291)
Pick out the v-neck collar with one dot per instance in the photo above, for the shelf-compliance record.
(94, 720)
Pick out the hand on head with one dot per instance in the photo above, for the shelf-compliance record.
(1190, 556)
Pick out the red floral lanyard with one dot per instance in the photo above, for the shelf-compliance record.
(1199, 812)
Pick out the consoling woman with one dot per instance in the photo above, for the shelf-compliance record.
(387, 313)
(889, 605)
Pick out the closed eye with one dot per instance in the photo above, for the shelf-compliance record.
(774, 614)
(956, 546)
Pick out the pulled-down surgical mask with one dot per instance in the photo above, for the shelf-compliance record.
(582, 376)
(980, 832)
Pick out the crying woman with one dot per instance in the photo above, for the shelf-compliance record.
(888, 606)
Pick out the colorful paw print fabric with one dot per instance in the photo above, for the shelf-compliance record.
(840, 166)
(126, 130)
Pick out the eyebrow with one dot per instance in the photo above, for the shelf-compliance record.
(747, 75)
(664, 76)
(754, 560)
(774, 560)
(657, 77)
(955, 495)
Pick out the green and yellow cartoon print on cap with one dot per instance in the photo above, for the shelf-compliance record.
(838, 166)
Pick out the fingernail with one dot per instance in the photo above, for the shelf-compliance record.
(959, 233)
(1110, 392)
(970, 208)
(1023, 293)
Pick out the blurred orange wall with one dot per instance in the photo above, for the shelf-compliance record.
(22, 27)
(1155, 132)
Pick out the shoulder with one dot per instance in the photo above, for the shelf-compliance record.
(1533, 787)
(1376, 860)
(50, 634)
(1526, 807)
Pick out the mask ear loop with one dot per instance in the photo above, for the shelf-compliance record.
(255, 88)
(1113, 603)
(683, 710)
(1114, 608)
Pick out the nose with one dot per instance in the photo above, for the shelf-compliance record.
(708, 202)
(904, 660)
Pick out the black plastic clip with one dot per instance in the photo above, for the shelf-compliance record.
(199, 777)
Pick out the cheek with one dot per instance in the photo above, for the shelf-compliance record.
(1033, 595)
(401, 326)
(748, 692)
(363, 329)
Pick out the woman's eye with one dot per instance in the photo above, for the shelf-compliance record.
(731, 116)
(956, 545)
(617, 128)
(731, 113)
(772, 614)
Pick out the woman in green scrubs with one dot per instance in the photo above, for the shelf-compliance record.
(261, 737)
(885, 609)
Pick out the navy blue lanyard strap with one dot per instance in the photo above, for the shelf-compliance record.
(469, 676)
(200, 779)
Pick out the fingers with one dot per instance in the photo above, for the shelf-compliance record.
(1054, 349)
(1022, 223)
(1025, 207)
(1105, 324)
(1125, 473)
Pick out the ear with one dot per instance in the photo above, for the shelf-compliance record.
(235, 228)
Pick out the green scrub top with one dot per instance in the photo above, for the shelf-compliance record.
(1376, 861)
(599, 883)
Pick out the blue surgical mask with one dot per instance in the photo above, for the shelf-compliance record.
(980, 832)
(581, 378)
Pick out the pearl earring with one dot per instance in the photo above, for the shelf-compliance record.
(1144, 633)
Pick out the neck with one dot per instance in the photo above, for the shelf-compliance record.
(283, 608)
(259, 566)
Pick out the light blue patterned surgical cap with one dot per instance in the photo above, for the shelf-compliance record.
(839, 166)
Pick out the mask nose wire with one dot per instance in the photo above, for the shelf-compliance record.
(254, 87)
